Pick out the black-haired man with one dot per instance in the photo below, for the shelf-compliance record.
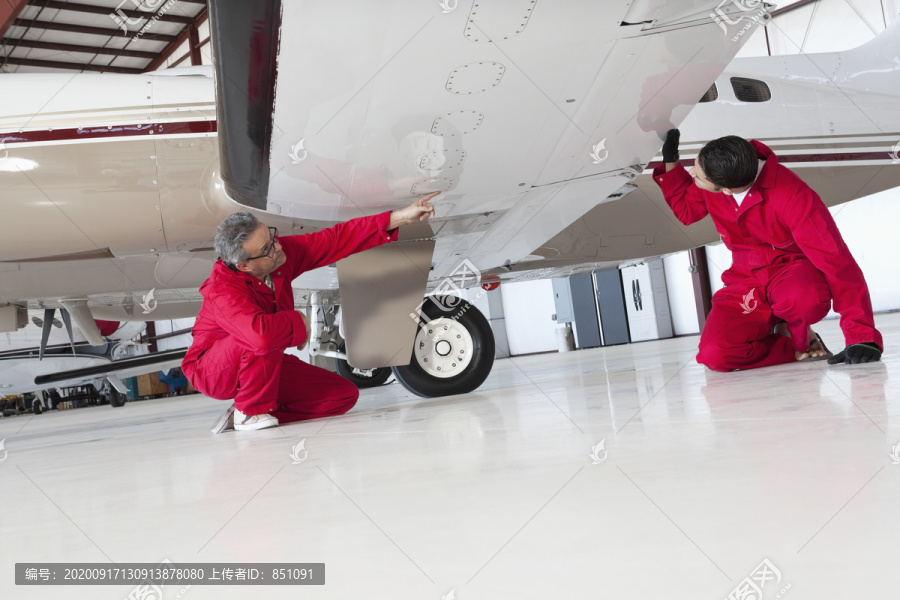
(789, 260)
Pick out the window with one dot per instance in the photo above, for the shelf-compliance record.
(750, 90)
(711, 94)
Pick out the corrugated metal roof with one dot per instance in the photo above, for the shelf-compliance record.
(120, 36)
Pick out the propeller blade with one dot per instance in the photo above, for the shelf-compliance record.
(68, 322)
(45, 331)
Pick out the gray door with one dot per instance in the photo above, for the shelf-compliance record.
(587, 330)
(611, 305)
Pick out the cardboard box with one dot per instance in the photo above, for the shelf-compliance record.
(149, 385)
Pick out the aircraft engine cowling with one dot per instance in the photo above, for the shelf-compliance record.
(107, 328)
(122, 331)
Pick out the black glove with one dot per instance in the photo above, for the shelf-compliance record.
(856, 353)
(670, 147)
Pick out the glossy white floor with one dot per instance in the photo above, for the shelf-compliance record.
(702, 476)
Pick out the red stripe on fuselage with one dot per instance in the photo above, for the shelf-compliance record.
(109, 131)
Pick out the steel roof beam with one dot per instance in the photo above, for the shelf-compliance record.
(54, 64)
(23, 43)
(105, 10)
(791, 7)
(102, 31)
(187, 55)
(184, 36)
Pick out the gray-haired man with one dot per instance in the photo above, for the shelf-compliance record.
(248, 319)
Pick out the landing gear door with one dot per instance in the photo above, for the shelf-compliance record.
(380, 289)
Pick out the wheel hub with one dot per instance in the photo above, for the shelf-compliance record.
(363, 372)
(444, 348)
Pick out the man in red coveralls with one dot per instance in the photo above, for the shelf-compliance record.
(789, 260)
(248, 319)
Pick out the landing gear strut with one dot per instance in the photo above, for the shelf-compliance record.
(362, 378)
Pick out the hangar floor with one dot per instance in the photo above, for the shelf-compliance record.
(499, 494)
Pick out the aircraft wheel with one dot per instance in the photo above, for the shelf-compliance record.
(453, 351)
(361, 378)
(116, 399)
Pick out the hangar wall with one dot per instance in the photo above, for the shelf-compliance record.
(529, 309)
(176, 342)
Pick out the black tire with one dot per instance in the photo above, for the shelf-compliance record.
(378, 377)
(441, 325)
(116, 399)
(36, 407)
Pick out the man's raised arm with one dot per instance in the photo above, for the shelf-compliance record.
(331, 245)
(677, 186)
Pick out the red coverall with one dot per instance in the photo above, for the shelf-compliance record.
(789, 261)
(243, 329)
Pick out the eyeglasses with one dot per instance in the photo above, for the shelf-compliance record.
(268, 253)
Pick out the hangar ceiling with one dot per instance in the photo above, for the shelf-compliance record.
(121, 36)
(105, 36)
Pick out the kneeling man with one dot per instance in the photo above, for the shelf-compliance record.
(789, 260)
(248, 319)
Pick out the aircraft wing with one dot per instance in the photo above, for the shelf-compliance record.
(126, 367)
(50, 351)
(524, 114)
(24, 372)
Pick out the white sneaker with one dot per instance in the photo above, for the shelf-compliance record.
(225, 422)
(244, 422)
